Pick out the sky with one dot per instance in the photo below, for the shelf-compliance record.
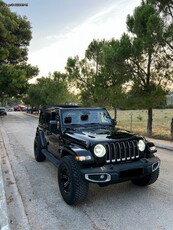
(65, 28)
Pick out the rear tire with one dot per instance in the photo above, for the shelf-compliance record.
(39, 156)
(147, 180)
(73, 188)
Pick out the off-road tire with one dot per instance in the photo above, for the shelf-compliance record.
(39, 156)
(73, 188)
(147, 180)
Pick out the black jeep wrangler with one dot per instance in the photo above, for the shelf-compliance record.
(85, 146)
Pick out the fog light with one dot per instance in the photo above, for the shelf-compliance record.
(155, 166)
(102, 176)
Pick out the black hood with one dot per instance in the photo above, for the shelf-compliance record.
(91, 136)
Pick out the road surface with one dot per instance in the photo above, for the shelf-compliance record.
(34, 200)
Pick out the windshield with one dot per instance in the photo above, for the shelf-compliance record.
(86, 117)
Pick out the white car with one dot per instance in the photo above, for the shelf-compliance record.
(3, 111)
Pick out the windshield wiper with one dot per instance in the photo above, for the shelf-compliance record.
(92, 123)
(100, 124)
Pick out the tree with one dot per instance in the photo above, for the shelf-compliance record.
(50, 90)
(89, 75)
(101, 74)
(165, 10)
(150, 68)
(15, 35)
(94, 54)
(117, 70)
(164, 6)
(81, 75)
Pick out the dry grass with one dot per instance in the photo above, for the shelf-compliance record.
(136, 121)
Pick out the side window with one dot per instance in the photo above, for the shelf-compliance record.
(53, 116)
(57, 115)
(42, 117)
(47, 117)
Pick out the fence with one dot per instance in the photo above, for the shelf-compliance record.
(136, 121)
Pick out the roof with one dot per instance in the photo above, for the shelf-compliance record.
(58, 106)
(54, 107)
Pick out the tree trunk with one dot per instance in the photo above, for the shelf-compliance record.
(150, 121)
(115, 113)
(172, 129)
(115, 118)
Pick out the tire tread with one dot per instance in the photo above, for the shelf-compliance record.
(147, 180)
(80, 185)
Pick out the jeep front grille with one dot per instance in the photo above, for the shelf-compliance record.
(122, 151)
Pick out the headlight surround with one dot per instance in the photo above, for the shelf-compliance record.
(141, 145)
(99, 150)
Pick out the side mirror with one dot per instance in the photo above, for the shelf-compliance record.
(53, 125)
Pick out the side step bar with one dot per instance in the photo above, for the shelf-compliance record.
(51, 158)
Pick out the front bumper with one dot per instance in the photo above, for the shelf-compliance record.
(116, 173)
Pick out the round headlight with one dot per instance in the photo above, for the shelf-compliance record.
(141, 145)
(99, 150)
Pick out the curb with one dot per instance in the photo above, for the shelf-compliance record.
(32, 115)
(4, 224)
(19, 221)
(161, 144)
(164, 147)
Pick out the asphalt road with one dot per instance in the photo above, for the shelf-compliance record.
(34, 201)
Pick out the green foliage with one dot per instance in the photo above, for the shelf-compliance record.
(50, 90)
(12, 81)
(94, 54)
(164, 6)
(145, 23)
(134, 71)
(151, 69)
(97, 78)
(15, 35)
(165, 10)
(86, 75)
(116, 69)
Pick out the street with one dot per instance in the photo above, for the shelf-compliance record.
(34, 201)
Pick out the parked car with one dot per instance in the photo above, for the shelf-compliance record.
(3, 111)
(20, 108)
(16, 108)
(9, 109)
(23, 108)
(86, 147)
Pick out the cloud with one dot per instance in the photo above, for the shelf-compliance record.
(108, 23)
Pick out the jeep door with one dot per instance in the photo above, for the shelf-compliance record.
(53, 135)
(54, 144)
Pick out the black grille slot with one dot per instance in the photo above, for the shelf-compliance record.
(122, 151)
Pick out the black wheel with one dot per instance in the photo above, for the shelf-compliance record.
(73, 188)
(147, 180)
(39, 156)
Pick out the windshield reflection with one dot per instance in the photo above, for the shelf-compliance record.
(86, 117)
